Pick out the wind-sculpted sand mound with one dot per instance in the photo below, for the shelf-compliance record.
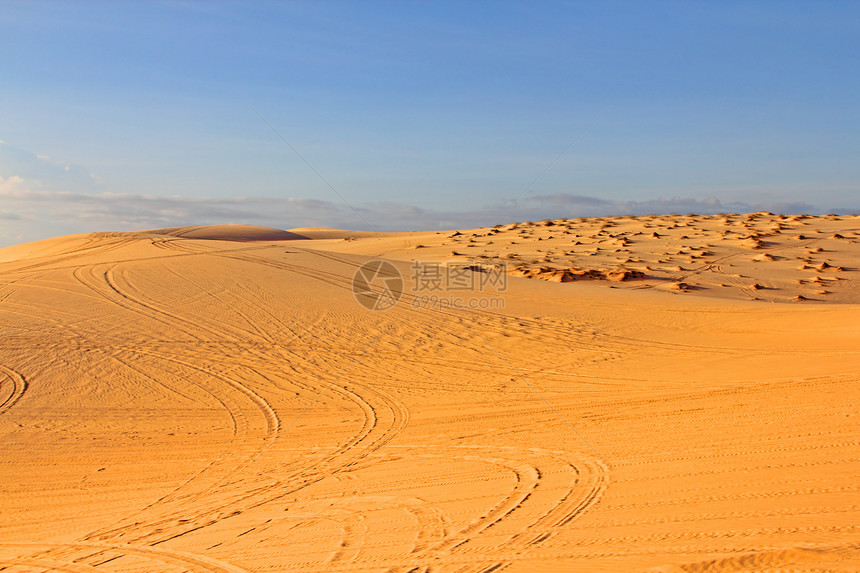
(183, 401)
(573, 274)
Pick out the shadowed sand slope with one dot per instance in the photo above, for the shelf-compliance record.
(174, 403)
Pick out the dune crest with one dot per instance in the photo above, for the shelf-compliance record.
(242, 233)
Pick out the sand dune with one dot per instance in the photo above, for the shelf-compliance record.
(673, 393)
(229, 233)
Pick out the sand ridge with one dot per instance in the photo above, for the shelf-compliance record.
(215, 399)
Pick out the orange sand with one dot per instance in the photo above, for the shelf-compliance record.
(678, 394)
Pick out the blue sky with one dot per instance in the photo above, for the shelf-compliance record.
(422, 115)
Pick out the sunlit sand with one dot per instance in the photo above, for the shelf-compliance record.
(666, 393)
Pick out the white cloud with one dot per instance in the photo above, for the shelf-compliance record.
(41, 172)
(12, 186)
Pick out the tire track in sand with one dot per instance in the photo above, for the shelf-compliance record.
(567, 508)
(11, 389)
(551, 489)
(254, 495)
(571, 504)
(110, 288)
(74, 557)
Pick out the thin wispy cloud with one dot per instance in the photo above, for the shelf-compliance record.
(40, 197)
(80, 212)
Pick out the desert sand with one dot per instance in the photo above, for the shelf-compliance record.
(667, 393)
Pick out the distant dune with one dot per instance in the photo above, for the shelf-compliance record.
(667, 393)
(228, 233)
